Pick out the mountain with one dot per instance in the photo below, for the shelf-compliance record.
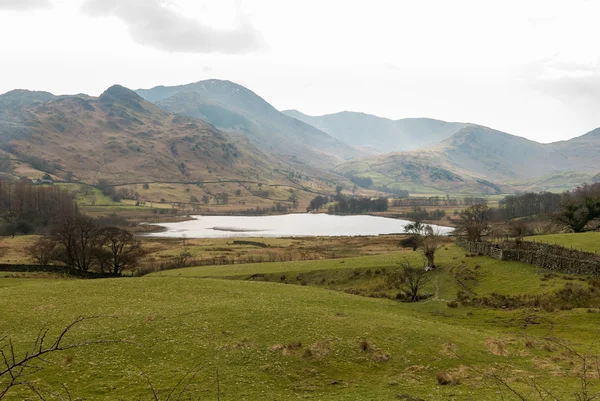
(482, 160)
(233, 108)
(382, 134)
(12, 104)
(123, 138)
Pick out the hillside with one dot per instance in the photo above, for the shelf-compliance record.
(233, 108)
(123, 138)
(382, 134)
(482, 160)
(328, 329)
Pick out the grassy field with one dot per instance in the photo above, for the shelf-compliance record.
(588, 242)
(509, 278)
(275, 341)
(313, 340)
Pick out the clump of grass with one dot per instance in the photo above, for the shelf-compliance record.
(294, 345)
(445, 378)
(381, 356)
(317, 351)
(496, 346)
(452, 304)
(548, 348)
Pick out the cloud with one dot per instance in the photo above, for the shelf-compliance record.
(153, 23)
(574, 84)
(24, 5)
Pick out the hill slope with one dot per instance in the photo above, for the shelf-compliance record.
(482, 160)
(382, 134)
(236, 109)
(123, 138)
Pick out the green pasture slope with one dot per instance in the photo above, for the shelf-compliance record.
(509, 278)
(174, 321)
(587, 242)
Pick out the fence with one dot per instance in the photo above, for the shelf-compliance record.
(551, 257)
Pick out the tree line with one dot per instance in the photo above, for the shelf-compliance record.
(83, 244)
(70, 238)
(437, 201)
(25, 208)
(576, 211)
(343, 204)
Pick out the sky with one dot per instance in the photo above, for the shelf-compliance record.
(528, 67)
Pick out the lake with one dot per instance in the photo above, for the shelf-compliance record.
(289, 225)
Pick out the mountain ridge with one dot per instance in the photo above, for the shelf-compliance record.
(263, 124)
(480, 159)
(118, 135)
(367, 130)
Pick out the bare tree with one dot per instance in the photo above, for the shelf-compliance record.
(76, 239)
(119, 250)
(429, 244)
(473, 222)
(42, 251)
(409, 280)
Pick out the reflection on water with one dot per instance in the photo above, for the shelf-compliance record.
(289, 225)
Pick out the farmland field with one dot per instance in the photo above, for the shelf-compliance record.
(313, 340)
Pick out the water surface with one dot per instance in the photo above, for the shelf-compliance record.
(289, 225)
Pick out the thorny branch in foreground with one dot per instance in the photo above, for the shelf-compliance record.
(590, 369)
(182, 385)
(14, 368)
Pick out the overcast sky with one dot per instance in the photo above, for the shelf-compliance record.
(527, 67)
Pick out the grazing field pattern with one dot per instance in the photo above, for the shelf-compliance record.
(314, 340)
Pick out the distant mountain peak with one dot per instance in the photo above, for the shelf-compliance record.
(118, 94)
(231, 106)
(365, 130)
(26, 92)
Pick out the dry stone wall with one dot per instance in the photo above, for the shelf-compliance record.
(551, 257)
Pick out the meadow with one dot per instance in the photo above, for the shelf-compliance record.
(306, 336)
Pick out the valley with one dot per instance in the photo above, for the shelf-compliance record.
(294, 316)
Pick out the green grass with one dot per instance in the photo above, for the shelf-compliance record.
(244, 270)
(588, 242)
(87, 194)
(509, 278)
(174, 324)
(213, 317)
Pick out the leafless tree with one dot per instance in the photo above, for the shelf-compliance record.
(429, 243)
(42, 251)
(76, 239)
(118, 250)
(409, 280)
(473, 222)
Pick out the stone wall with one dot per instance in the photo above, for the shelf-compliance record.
(24, 268)
(551, 257)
